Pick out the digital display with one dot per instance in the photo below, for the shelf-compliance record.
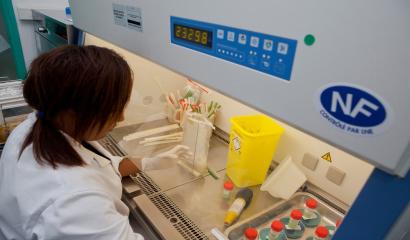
(193, 35)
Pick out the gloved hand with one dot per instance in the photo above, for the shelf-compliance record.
(163, 160)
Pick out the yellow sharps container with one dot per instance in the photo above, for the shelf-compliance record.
(252, 143)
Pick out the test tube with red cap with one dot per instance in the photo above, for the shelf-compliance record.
(321, 233)
(228, 187)
(295, 217)
(276, 230)
(250, 234)
(311, 205)
(311, 218)
(294, 228)
(332, 228)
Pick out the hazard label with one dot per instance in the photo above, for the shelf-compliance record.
(327, 157)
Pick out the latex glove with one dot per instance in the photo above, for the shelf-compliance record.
(163, 160)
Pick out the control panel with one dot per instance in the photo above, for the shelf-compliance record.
(265, 53)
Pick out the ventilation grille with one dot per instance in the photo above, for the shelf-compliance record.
(109, 143)
(188, 229)
(146, 184)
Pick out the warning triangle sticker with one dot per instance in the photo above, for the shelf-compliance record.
(327, 157)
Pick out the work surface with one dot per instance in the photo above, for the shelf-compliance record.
(199, 198)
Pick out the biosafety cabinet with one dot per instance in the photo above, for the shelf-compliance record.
(337, 70)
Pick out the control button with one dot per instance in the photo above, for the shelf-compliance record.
(231, 36)
(267, 45)
(223, 51)
(220, 34)
(279, 68)
(242, 38)
(264, 55)
(266, 64)
(219, 50)
(254, 41)
(282, 48)
(252, 59)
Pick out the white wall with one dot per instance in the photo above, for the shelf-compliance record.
(25, 27)
(150, 80)
(293, 142)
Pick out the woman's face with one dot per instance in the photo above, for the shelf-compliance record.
(96, 134)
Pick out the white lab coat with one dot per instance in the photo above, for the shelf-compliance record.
(39, 202)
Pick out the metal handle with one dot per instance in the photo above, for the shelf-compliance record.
(42, 29)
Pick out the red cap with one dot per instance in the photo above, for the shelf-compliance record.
(277, 226)
(228, 185)
(251, 233)
(321, 232)
(311, 203)
(296, 214)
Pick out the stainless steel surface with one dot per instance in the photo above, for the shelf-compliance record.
(181, 206)
(172, 177)
(190, 206)
(329, 216)
(196, 202)
(325, 197)
(177, 176)
(184, 225)
(111, 145)
(146, 184)
(202, 201)
(157, 219)
(142, 186)
(138, 221)
(129, 187)
(120, 132)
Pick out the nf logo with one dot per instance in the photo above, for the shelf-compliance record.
(352, 109)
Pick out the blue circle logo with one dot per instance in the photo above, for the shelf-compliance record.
(353, 106)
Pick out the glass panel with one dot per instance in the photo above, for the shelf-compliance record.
(7, 64)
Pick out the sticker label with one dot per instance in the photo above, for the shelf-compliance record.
(353, 109)
(236, 142)
(327, 157)
(127, 16)
(237, 206)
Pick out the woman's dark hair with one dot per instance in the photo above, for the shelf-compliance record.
(92, 82)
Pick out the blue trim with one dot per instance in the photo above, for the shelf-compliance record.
(379, 204)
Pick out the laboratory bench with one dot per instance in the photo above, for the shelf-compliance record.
(173, 203)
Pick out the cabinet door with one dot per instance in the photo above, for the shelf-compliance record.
(12, 65)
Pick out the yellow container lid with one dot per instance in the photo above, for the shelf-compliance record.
(256, 125)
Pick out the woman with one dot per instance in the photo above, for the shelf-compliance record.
(55, 182)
